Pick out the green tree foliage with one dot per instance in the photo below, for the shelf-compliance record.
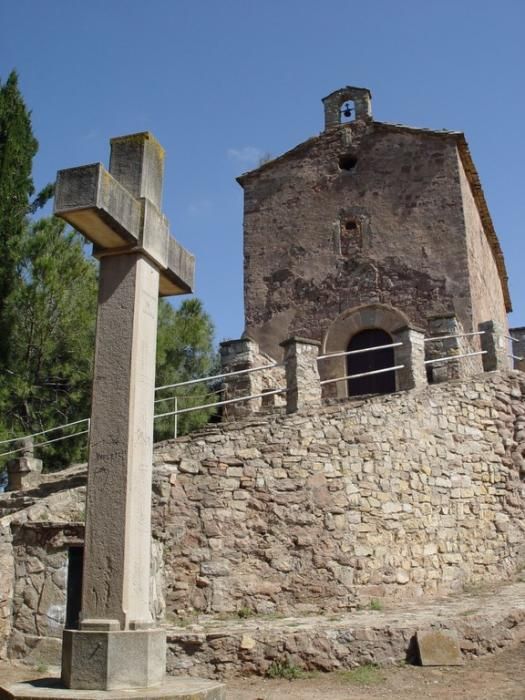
(51, 315)
(18, 146)
(48, 370)
(17, 149)
(184, 352)
(48, 293)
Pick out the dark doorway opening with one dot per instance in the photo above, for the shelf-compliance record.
(384, 383)
(74, 587)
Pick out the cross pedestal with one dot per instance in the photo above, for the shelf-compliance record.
(118, 646)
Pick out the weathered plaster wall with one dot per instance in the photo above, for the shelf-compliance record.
(303, 267)
(408, 494)
(487, 294)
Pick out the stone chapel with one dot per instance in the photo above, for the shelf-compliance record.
(366, 228)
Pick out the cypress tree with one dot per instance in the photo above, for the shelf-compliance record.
(18, 146)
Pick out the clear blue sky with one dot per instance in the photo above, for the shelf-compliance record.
(220, 82)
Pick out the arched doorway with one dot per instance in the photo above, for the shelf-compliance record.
(384, 383)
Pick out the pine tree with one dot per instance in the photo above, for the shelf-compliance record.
(184, 352)
(51, 316)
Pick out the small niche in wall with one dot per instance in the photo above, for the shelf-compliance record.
(350, 237)
(347, 161)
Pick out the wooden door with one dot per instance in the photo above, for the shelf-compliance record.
(384, 383)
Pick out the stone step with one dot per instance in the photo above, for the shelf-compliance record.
(171, 689)
(484, 622)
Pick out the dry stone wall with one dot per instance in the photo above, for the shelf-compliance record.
(393, 497)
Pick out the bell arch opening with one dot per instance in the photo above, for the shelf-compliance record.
(361, 363)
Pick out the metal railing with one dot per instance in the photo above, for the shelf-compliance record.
(454, 335)
(449, 358)
(363, 374)
(219, 376)
(511, 354)
(357, 352)
(237, 399)
(282, 390)
(44, 432)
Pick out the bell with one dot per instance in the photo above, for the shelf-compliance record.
(347, 112)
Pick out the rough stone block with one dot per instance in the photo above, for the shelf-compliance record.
(439, 648)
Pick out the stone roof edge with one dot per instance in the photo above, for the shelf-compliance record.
(486, 219)
(470, 171)
(251, 174)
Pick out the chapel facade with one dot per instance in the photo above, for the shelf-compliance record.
(365, 228)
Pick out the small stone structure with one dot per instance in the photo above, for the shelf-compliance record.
(24, 470)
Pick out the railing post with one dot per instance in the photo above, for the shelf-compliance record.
(411, 354)
(518, 347)
(495, 344)
(302, 374)
(448, 347)
(238, 355)
(23, 472)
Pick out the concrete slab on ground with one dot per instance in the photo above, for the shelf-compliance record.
(171, 689)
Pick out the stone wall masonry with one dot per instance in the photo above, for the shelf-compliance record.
(463, 345)
(225, 648)
(36, 531)
(412, 494)
(404, 197)
(393, 497)
(243, 354)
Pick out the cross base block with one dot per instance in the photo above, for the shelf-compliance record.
(98, 660)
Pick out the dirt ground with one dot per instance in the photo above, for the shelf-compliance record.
(496, 677)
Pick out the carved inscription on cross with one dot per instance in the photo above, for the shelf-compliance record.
(119, 212)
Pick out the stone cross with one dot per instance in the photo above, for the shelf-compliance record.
(117, 645)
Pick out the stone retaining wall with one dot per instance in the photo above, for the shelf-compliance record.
(326, 509)
(393, 497)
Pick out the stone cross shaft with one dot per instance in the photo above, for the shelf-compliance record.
(119, 212)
